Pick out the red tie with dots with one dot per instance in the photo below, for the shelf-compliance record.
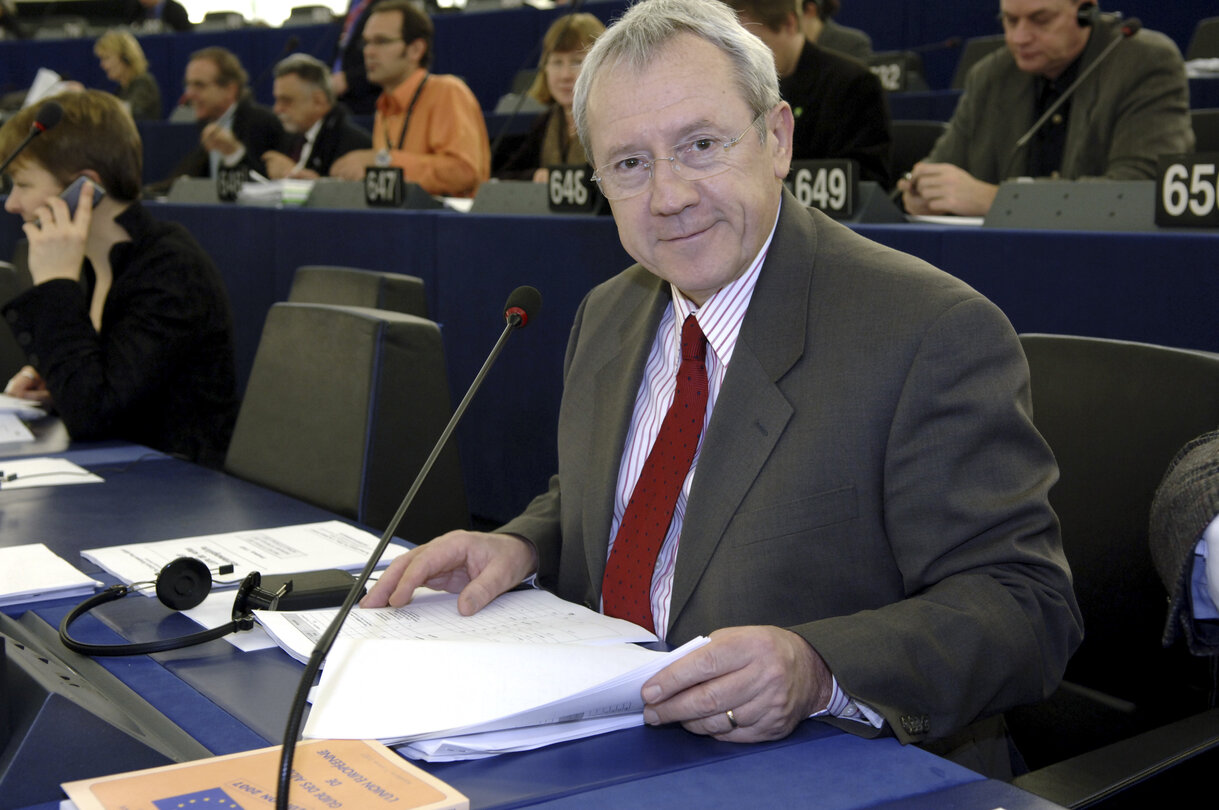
(626, 588)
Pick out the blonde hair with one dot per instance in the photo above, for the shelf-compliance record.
(126, 47)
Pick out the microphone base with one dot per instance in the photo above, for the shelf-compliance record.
(1074, 205)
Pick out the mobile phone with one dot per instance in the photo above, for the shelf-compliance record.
(71, 194)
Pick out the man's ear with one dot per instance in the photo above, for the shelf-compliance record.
(416, 49)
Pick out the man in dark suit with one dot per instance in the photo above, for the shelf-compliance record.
(1185, 544)
(864, 530)
(318, 130)
(235, 130)
(839, 106)
(1131, 109)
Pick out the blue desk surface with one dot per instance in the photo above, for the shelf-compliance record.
(232, 701)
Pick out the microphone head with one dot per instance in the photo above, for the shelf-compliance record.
(522, 304)
(48, 116)
(1131, 26)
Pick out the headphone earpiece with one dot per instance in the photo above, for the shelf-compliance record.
(1087, 15)
(184, 583)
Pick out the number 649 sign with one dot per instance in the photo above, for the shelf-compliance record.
(1187, 191)
(830, 185)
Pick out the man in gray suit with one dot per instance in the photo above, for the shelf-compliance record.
(1133, 108)
(864, 530)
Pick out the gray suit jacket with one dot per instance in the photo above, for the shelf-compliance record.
(1185, 504)
(870, 479)
(1134, 108)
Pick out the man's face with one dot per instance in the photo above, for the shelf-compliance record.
(209, 98)
(32, 186)
(1043, 35)
(298, 104)
(699, 235)
(387, 59)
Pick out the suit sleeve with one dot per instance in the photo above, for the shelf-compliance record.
(1152, 111)
(989, 619)
(1185, 503)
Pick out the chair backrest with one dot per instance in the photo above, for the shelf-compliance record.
(221, 21)
(1204, 43)
(309, 15)
(912, 141)
(975, 49)
(1115, 413)
(353, 287)
(1206, 129)
(342, 408)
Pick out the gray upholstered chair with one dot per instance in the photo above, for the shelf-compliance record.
(342, 408)
(353, 287)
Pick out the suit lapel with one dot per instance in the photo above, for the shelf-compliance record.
(751, 412)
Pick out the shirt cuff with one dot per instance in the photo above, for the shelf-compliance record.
(1205, 575)
(844, 707)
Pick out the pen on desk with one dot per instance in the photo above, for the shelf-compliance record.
(897, 192)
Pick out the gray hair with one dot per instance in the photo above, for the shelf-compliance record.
(310, 70)
(647, 26)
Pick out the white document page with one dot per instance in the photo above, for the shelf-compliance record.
(43, 472)
(281, 550)
(13, 430)
(517, 616)
(31, 573)
(25, 408)
(460, 687)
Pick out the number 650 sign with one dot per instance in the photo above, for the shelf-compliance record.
(1188, 190)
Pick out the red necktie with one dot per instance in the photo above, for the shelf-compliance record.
(627, 586)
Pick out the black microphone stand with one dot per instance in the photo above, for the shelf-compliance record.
(517, 316)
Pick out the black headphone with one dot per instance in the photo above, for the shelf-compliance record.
(1087, 15)
(181, 585)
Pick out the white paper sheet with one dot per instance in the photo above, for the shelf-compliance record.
(525, 616)
(33, 573)
(43, 472)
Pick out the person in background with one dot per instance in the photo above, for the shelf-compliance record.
(348, 76)
(127, 327)
(1131, 110)
(552, 139)
(427, 124)
(839, 105)
(319, 131)
(821, 27)
(236, 131)
(124, 63)
(158, 15)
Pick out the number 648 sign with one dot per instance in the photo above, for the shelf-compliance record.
(1188, 190)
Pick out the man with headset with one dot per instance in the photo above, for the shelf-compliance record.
(1131, 109)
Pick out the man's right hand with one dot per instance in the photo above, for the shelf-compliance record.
(475, 565)
(942, 188)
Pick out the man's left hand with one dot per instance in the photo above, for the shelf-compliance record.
(351, 166)
(768, 677)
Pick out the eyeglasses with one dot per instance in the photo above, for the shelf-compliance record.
(377, 42)
(696, 159)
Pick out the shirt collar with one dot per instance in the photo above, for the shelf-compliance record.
(396, 101)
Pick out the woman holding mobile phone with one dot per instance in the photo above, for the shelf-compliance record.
(127, 329)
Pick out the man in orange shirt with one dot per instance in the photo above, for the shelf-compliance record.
(427, 124)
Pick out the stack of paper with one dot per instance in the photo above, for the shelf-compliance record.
(34, 573)
(526, 671)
